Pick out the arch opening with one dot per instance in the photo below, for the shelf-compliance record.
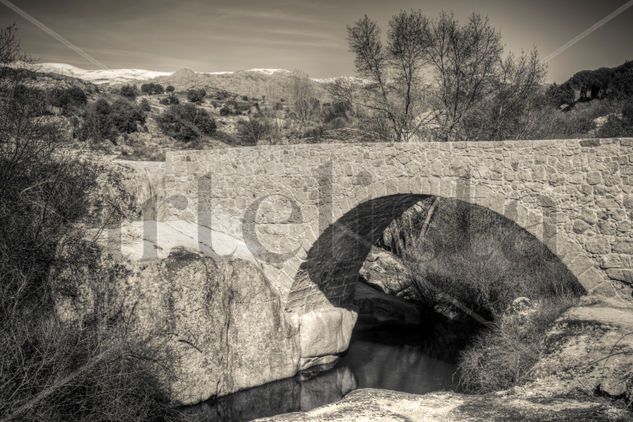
(426, 275)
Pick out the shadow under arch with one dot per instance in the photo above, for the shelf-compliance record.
(326, 277)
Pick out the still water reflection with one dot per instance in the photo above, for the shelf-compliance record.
(377, 358)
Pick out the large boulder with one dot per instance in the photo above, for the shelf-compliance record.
(385, 271)
(324, 333)
(215, 324)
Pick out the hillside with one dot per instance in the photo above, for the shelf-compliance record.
(274, 84)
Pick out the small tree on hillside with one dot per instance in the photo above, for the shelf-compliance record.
(196, 95)
(129, 91)
(302, 93)
(252, 131)
(152, 88)
(186, 122)
(170, 89)
(558, 95)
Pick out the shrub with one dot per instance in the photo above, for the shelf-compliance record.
(337, 123)
(196, 95)
(558, 95)
(50, 371)
(186, 122)
(28, 102)
(627, 112)
(170, 100)
(502, 356)
(170, 89)
(68, 98)
(129, 91)
(152, 88)
(252, 131)
(145, 106)
(103, 120)
(126, 116)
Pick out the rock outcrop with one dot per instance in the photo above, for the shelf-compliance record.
(385, 271)
(215, 325)
(194, 300)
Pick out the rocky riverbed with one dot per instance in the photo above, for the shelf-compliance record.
(585, 374)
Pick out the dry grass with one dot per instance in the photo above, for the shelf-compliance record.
(503, 356)
(478, 262)
(50, 371)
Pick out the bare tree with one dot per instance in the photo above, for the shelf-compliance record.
(393, 70)
(464, 59)
(508, 110)
(302, 93)
(467, 69)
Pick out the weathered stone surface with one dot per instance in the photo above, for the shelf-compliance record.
(216, 323)
(572, 192)
(325, 332)
(386, 272)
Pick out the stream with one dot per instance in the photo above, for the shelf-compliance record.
(386, 357)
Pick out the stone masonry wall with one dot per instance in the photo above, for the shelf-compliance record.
(574, 195)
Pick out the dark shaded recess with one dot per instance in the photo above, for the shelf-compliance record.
(460, 237)
(335, 259)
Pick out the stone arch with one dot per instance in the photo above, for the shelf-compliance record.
(325, 277)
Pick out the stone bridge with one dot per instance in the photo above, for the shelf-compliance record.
(310, 213)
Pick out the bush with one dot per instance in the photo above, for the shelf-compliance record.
(145, 106)
(502, 356)
(152, 88)
(169, 100)
(170, 89)
(129, 91)
(557, 95)
(49, 371)
(252, 131)
(186, 122)
(105, 121)
(68, 98)
(196, 95)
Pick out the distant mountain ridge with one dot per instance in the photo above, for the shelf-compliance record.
(274, 84)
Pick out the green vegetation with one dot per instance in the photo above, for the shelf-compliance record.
(253, 131)
(69, 99)
(129, 91)
(152, 89)
(504, 354)
(479, 92)
(170, 100)
(103, 120)
(196, 95)
(186, 122)
(477, 262)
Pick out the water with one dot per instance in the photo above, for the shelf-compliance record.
(386, 358)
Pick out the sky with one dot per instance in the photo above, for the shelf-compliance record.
(226, 35)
